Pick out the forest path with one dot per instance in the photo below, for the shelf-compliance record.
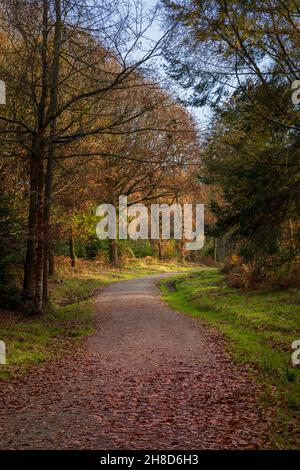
(149, 378)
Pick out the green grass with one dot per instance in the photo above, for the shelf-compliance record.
(260, 327)
(36, 340)
(70, 314)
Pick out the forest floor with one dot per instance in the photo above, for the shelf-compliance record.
(259, 327)
(148, 378)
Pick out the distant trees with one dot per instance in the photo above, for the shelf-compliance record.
(82, 120)
(62, 61)
(148, 161)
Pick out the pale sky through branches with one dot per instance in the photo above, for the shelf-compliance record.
(202, 115)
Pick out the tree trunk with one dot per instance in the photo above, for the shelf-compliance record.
(47, 212)
(29, 271)
(40, 163)
(180, 249)
(34, 260)
(40, 232)
(51, 150)
(72, 251)
(153, 247)
(113, 252)
(292, 237)
(182, 255)
(51, 265)
(215, 249)
(160, 250)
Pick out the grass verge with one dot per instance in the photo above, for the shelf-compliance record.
(70, 314)
(260, 327)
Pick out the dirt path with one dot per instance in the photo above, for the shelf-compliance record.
(151, 378)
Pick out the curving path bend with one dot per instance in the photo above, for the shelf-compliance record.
(149, 378)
